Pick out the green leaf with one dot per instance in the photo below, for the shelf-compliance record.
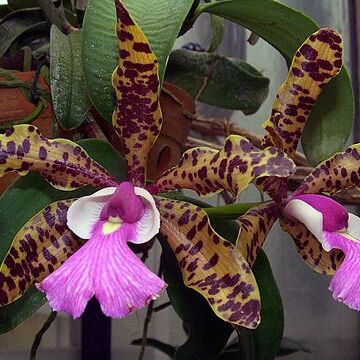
(159, 345)
(208, 334)
(22, 4)
(25, 198)
(100, 44)
(217, 32)
(285, 28)
(4, 11)
(218, 80)
(18, 23)
(67, 80)
(268, 335)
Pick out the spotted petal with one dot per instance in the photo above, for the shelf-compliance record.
(64, 164)
(232, 168)
(317, 61)
(137, 118)
(41, 246)
(341, 171)
(254, 227)
(209, 264)
(310, 249)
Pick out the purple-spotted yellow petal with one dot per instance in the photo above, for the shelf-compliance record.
(341, 171)
(209, 264)
(254, 227)
(41, 246)
(345, 283)
(64, 164)
(310, 249)
(137, 118)
(317, 61)
(106, 268)
(232, 168)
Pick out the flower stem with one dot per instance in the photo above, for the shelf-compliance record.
(40, 334)
(229, 212)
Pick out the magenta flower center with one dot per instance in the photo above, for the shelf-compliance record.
(124, 205)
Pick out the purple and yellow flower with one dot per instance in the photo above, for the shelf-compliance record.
(76, 249)
(334, 228)
(326, 235)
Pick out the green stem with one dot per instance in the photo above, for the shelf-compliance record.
(229, 212)
(246, 344)
(40, 334)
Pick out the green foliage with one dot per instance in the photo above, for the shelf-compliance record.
(217, 32)
(284, 28)
(27, 196)
(101, 48)
(218, 80)
(17, 24)
(67, 80)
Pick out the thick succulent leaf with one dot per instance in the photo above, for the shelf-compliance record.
(341, 171)
(64, 164)
(315, 63)
(310, 249)
(17, 206)
(218, 80)
(67, 78)
(254, 227)
(137, 118)
(40, 247)
(330, 122)
(209, 264)
(100, 44)
(233, 168)
(207, 333)
(18, 23)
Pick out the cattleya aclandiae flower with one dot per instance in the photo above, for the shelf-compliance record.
(325, 234)
(76, 249)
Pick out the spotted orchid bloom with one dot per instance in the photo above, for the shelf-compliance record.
(76, 249)
(325, 234)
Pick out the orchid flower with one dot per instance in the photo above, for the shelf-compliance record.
(334, 228)
(316, 62)
(326, 235)
(76, 249)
